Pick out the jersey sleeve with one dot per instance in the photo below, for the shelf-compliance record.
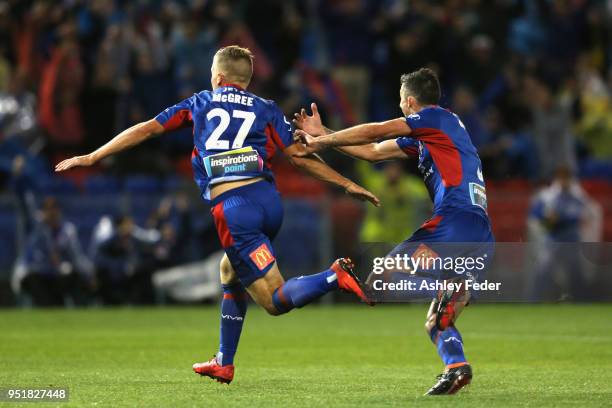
(408, 145)
(281, 129)
(178, 116)
(425, 127)
(416, 122)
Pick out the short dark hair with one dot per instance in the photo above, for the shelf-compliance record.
(424, 85)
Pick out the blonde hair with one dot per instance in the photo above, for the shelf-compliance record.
(236, 63)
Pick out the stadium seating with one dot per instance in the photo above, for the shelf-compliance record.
(56, 186)
(304, 241)
(102, 185)
(142, 184)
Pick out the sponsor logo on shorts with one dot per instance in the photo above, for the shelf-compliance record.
(426, 255)
(262, 256)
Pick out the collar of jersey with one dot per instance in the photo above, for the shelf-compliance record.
(228, 84)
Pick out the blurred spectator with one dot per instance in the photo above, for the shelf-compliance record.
(238, 33)
(465, 105)
(349, 27)
(551, 128)
(565, 25)
(480, 65)
(55, 266)
(563, 209)
(595, 103)
(108, 83)
(527, 34)
(51, 268)
(405, 199)
(6, 47)
(173, 221)
(150, 88)
(60, 90)
(124, 265)
(407, 52)
(562, 215)
(17, 110)
(193, 46)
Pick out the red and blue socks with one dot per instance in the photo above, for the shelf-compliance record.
(233, 312)
(450, 346)
(300, 291)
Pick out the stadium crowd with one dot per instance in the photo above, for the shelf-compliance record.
(121, 257)
(531, 79)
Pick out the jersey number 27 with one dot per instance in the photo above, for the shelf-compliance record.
(213, 142)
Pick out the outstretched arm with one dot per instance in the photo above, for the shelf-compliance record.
(372, 152)
(124, 140)
(356, 135)
(282, 135)
(375, 152)
(316, 167)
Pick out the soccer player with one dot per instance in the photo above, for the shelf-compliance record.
(452, 173)
(236, 133)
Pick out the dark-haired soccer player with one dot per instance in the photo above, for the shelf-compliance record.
(236, 133)
(452, 172)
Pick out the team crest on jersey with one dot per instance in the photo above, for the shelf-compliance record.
(414, 116)
(262, 256)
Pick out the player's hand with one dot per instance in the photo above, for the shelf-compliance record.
(310, 124)
(310, 144)
(76, 161)
(360, 193)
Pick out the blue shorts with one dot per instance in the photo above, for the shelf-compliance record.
(247, 220)
(459, 236)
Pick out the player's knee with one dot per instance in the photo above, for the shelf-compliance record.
(271, 309)
(226, 271)
(264, 299)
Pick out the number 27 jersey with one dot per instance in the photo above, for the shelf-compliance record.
(236, 134)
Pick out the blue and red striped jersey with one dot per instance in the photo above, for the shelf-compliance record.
(235, 133)
(447, 160)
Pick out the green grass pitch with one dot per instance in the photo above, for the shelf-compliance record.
(553, 355)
